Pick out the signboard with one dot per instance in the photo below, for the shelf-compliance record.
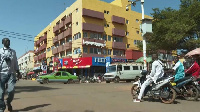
(44, 69)
(98, 61)
(77, 62)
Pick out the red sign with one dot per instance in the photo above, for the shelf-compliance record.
(77, 62)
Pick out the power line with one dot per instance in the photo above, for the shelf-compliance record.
(16, 37)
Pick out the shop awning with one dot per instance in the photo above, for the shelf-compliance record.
(30, 73)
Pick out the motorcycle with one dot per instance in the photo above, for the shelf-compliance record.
(162, 90)
(187, 88)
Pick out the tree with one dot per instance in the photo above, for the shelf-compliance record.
(175, 29)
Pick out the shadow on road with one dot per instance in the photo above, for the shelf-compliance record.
(31, 108)
(19, 89)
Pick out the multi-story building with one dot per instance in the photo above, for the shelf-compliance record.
(26, 62)
(91, 28)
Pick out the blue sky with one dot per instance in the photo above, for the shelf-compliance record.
(31, 16)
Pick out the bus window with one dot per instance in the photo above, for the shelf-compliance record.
(135, 68)
(126, 67)
(140, 67)
(119, 67)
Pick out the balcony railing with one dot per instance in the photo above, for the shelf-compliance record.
(118, 32)
(55, 51)
(67, 46)
(56, 28)
(122, 57)
(68, 20)
(93, 27)
(55, 39)
(61, 25)
(118, 45)
(43, 55)
(116, 19)
(60, 36)
(93, 14)
(60, 48)
(68, 32)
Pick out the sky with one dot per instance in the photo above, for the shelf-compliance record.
(24, 19)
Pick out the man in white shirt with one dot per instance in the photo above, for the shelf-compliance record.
(156, 73)
(8, 69)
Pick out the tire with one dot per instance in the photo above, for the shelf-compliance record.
(45, 81)
(134, 91)
(191, 94)
(116, 80)
(107, 81)
(70, 81)
(41, 82)
(198, 87)
(172, 95)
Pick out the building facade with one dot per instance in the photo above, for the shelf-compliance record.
(26, 62)
(91, 28)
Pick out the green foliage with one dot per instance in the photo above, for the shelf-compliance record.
(175, 29)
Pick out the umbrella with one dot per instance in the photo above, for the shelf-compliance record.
(193, 52)
(141, 59)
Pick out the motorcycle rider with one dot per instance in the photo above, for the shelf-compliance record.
(157, 72)
(178, 69)
(194, 68)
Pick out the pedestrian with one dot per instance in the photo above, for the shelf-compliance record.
(8, 69)
(157, 72)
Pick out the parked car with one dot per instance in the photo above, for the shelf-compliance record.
(60, 76)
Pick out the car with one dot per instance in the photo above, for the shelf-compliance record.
(59, 76)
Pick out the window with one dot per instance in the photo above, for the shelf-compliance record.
(85, 50)
(137, 32)
(62, 54)
(69, 39)
(58, 74)
(137, 20)
(52, 47)
(64, 74)
(68, 53)
(108, 25)
(85, 34)
(77, 51)
(104, 51)
(76, 9)
(108, 12)
(127, 21)
(118, 52)
(127, 33)
(105, 11)
(126, 67)
(62, 42)
(48, 49)
(119, 67)
(77, 36)
(95, 50)
(109, 38)
(105, 37)
(76, 23)
(128, 45)
(140, 67)
(135, 68)
(109, 51)
(135, 42)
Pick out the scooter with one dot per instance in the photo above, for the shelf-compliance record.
(162, 90)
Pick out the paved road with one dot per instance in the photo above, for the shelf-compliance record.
(98, 97)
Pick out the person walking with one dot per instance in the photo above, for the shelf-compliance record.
(8, 69)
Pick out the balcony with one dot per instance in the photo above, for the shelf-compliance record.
(93, 14)
(40, 57)
(60, 36)
(118, 32)
(56, 28)
(60, 48)
(118, 45)
(55, 39)
(43, 56)
(119, 20)
(93, 27)
(36, 51)
(43, 46)
(36, 58)
(61, 25)
(68, 20)
(37, 42)
(36, 65)
(40, 39)
(55, 51)
(67, 46)
(92, 55)
(68, 32)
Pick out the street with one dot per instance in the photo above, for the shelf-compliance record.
(88, 97)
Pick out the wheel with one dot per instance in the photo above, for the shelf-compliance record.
(191, 93)
(134, 91)
(116, 80)
(198, 87)
(70, 81)
(45, 80)
(107, 81)
(168, 94)
(41, 82)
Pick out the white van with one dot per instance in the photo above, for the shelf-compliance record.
(123, 72)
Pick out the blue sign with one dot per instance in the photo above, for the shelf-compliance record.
(61, 62)
(98, 61)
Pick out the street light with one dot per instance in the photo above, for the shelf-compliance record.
(144, 38)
